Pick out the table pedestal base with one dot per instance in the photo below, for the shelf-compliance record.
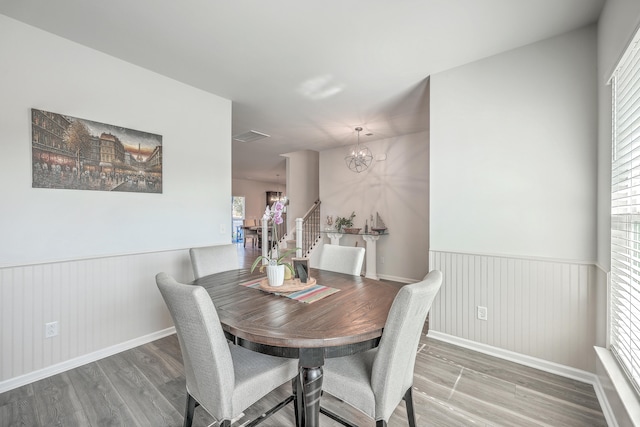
(309, 388)
(310, 394)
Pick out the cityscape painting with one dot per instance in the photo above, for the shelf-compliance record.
(78, 154)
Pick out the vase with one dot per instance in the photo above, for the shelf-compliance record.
(287, 274)
(275, 275)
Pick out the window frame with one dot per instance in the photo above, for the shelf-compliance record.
(624, 290)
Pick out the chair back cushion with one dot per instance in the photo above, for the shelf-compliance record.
(392, 371)
(213, 259)
(207, 360)
(341, 259)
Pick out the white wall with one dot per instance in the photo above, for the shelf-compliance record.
(397, 188)
(513, 143)
(87, 258)
(43, 71)
(302, 183)
(255, 193)
(513, 175)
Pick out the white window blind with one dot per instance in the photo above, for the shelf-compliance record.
(625, 215)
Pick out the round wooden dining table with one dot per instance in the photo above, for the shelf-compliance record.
(343, 323)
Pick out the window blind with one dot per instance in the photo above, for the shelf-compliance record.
(625, 215)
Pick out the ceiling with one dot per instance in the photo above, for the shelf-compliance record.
(306, 72)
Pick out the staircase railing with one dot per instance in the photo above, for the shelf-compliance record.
(308, 230)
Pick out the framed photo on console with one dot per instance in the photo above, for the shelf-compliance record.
(301, 268)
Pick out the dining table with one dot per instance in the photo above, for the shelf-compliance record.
(348, 319)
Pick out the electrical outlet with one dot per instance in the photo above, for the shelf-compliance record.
(50, 329)
(482, 313)
(223, 229)
(381, 260)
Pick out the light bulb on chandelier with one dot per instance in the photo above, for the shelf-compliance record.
(360, 157)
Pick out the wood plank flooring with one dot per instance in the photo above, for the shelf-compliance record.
(453, 386)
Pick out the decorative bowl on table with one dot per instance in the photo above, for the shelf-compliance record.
(379, 230)
(351, 230)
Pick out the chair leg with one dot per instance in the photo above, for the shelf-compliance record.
(336, 417)
(381, 423)
(297, 401)
(188, 412)
(408, 400)
(270, 412)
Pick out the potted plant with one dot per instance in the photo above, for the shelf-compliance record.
(346, 224)
(275, 261)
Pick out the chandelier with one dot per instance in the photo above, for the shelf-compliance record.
(359, 157)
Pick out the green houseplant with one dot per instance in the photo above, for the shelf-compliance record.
(344, 222)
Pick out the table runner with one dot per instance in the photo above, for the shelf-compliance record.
(308, 296)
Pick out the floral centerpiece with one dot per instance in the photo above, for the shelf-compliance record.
(275, 260)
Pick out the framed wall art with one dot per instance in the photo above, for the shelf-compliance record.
(79, 154)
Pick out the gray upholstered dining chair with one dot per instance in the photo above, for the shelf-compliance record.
(213, 259)
(222, 378)
(341, 259)
(375, 381)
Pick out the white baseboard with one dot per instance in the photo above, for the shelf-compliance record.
(40, 374)
(534, 362)
(522, 359)
(396, 278)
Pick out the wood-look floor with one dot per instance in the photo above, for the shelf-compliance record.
(453, 386)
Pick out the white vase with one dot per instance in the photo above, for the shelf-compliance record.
(275, 275)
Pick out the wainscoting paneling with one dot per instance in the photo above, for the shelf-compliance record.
(99, 303)
(544, 309)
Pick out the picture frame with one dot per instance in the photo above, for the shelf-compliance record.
(71, 153)
(301, 269)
